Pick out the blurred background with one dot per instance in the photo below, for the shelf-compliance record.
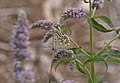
(42, 54)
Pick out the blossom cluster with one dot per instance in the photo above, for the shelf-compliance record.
(43, 24)
(48, 35)
(62, 54)
(72, 13)
(21, 53)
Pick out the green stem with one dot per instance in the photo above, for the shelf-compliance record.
(79, 47)
(114, 38)
(91, 31)
(92, 72)
(93, 12)
(90, 7)
(91, 40)
(87, 71)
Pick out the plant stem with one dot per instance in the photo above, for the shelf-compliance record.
(114, 38)
(91, 31)
(79, 47)
(91, 40)
(93, 12)
(87, 71)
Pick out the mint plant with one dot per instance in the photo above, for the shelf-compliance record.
(62, 41)
(22, 73)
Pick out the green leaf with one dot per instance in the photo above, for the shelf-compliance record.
(98, 26)
(104, 55)
(100, 79)
(96, 59)
(114, 53)
(113, 60)
(79, 67)
(106, 20)
(76, 50)
(64, 61)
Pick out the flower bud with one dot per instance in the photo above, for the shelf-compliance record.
(98, 4)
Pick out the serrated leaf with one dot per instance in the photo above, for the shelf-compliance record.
(96, 59)
(114, 53)
(106, 20)
(98, 26)
(104, 55)
(113, 60)
(80, 68)
(63, 61)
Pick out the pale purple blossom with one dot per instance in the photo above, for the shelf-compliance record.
(21, 54)
(20, 43)
(98, 4)
(20, 37)
(17, 71)
(18, 76)
(43, 24)
(17, 66)
(72, 13)
(29, 76)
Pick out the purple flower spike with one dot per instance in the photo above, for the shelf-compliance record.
(21, 54)
(43, 24)
(20, 36)
(17, 68)
(98, 4)
(72, 13)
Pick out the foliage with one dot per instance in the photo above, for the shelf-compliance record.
(62, 41)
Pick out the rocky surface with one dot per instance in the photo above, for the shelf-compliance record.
(45, 9)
